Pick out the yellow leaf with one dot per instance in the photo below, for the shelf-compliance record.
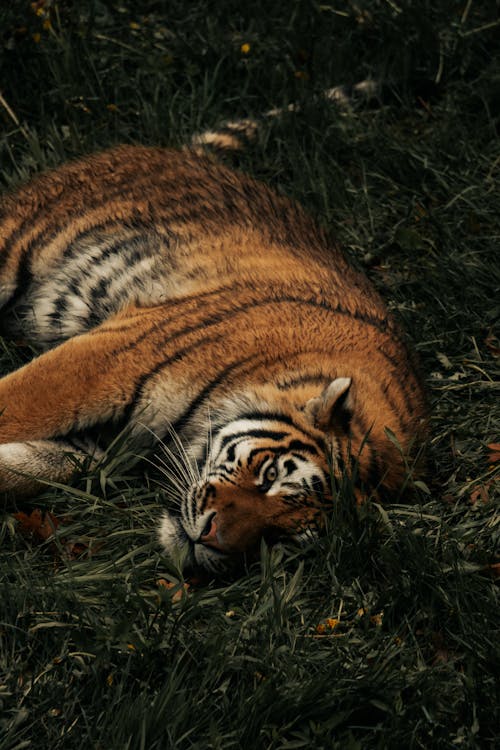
(332, 622)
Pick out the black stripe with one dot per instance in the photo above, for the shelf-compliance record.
(139, 386)
(299, 445)
(24, 278)
(221, 472)
(230, 312)
(175, 312)
(266, 449)
(24, 274)
(182, 421)
(401, 380)
(318, 484)
(267, 434)
(233, 310)
(210, 321)
(404, 375)
(299, 380)
(100, 233)
(95, 201)
(286, 419)
(61, 303)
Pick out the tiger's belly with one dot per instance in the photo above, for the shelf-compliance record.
(90, 283)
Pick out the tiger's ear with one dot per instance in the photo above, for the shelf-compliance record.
(333, 408)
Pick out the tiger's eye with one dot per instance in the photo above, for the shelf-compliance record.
(271, 474)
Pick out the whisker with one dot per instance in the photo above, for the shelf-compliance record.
(188, 463)
(174, 483)
(172, 497)
(169, 464)
(180, 487)
(208, 450)
(181, 469)
(175, 478)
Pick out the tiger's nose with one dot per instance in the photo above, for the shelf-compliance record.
(208, 536)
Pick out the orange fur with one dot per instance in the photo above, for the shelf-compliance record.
(240, 292)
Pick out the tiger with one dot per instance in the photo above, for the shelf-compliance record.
(176, 297)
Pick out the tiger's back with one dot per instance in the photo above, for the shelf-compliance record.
(181, 284)
(106, 216)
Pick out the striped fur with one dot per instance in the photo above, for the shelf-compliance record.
(192, 303)
(236, 135)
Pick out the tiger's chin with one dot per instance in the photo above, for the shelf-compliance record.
(191, 555)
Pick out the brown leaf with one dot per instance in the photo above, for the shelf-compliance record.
(494, 570)
(492, 344)
(480, 493)
(441, 653)
(75, 550)
(494, 453)
(38, 524)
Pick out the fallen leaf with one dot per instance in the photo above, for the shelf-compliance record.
(332, 622)
(492, 344)
(444, 360)
(493, 570)
(40, 525)
(441, 653)
(80, 549)
(480, 493)
(494, 453)
(177, 596)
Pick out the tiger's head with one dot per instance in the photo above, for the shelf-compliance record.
(267, 476)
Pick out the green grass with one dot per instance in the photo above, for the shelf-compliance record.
(93, 651)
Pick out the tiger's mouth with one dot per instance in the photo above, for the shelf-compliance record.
(205, 554)
(199, 556)
(176, 539)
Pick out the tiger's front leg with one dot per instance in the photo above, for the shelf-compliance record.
(57, 393)
(88, 380)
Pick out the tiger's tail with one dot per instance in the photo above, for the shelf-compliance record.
(235, 136)
(231, 137)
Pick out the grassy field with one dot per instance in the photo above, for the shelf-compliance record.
(386, 633)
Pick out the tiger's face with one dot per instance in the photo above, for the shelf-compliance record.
(263, 480)
(266, 477)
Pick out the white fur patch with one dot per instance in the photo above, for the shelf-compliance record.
(22, 464)
(170, 533)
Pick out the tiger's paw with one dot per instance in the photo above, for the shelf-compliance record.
(16, 468)
(26, 467)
